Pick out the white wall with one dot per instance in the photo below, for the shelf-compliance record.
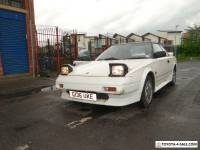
(162, 41)
(147, 40)
(155, 39)
(175, 38)
(152, 38)
(81, 41)
(86, 42)
(93, 41)
(172, 37)
(136, 38)
(120, 39)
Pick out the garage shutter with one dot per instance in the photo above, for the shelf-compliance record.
(13, 43)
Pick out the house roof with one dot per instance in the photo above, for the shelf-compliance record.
(131, 34)
(153, 35)
(116, 34)
(102, 35)
(91, 36)
(170, 31)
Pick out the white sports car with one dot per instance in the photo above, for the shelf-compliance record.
(121, 75)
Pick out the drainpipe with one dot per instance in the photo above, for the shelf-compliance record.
(32, 47)
(31, 35)
(57, 49)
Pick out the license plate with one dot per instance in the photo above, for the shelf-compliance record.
(83, 95)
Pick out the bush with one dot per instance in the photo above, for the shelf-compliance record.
(189, 48)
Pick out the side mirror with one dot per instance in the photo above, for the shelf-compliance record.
(170, 54)
(159, 54)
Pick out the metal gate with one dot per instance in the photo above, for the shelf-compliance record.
(55, 47)
(13, 43)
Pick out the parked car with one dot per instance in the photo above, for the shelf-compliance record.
(84, 55)
(121, 75)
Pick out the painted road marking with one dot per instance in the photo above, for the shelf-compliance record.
(76, 123)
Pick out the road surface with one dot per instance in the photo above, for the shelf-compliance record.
(42, 121)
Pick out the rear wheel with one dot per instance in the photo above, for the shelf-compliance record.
(147, 93)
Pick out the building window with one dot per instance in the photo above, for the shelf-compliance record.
(79, 38)
(13, 3)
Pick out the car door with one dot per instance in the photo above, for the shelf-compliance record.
(169, 67)
(161, 66)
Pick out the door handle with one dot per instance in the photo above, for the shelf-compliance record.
(168, 61)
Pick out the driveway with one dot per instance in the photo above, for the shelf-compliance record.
(43, 121)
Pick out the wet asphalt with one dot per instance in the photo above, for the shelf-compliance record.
(42, 121)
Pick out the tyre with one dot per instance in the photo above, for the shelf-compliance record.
(147, 93)
(173, 82)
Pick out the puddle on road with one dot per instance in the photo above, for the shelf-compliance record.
(104, 113)
(25, 125)
(88, 113)
(23, 147)
(49, 89)
(20, 128)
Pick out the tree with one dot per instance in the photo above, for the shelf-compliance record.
(191, 45)
(194, 34)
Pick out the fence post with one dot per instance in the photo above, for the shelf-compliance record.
(57, 49)
(74, 45)
(48, 46)
(37, 54)
(107, 42)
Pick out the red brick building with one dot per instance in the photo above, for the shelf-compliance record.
(17, 38)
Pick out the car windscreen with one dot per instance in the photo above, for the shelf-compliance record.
(127, 51)
(84, 53)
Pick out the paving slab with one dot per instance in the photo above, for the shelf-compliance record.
(19, 87)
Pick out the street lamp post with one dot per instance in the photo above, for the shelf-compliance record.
(175, 44)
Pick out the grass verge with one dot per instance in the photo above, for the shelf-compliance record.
(187, 58)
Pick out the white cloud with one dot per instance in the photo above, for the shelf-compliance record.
(123, 16)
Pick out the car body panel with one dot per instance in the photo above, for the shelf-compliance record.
(100, 68)
(94, 77)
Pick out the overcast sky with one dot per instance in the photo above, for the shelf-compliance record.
(121, 16)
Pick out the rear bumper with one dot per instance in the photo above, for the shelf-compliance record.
(127, 90)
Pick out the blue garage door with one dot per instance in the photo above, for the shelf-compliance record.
(13, 43)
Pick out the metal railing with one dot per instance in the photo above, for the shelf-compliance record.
(55, 47)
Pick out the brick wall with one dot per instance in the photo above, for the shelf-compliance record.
(30, 17)
(27, 7)
(1, 68)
